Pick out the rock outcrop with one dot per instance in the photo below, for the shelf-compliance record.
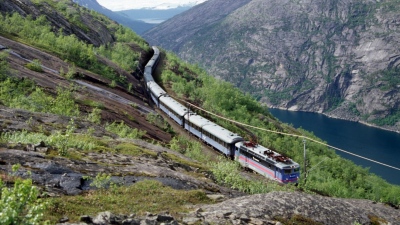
(338, 58)
(62, 176)
(272, 208)
(266, 208)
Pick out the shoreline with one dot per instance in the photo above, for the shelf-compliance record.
(336, 117)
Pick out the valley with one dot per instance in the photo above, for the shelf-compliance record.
(82, 142)
(339, 59)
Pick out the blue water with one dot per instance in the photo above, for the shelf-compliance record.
(370, 142)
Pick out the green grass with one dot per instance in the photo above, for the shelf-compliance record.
(124, 131)
(183, 161)
(298, 220)
(144, 196)
(133, 150)
(58, 140)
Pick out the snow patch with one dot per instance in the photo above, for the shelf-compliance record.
(146, 4)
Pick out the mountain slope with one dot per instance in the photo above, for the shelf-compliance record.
(85, 28)
(339, 58)
(182, 28)
(136, 25)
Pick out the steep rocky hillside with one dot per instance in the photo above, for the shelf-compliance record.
(85, 27)
(340, 58)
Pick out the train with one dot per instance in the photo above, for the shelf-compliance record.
(250, 155)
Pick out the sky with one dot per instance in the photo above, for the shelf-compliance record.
(118, 5)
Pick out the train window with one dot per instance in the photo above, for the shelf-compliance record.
(296, 169)
(287, 171)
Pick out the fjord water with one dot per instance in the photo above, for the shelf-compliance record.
(360, 139)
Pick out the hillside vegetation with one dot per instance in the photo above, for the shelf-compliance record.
(335, 177)
(76, 119)
(338, 58)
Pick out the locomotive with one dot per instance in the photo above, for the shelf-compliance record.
(250, 155)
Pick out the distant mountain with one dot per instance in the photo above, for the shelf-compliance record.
(153, 16)
(136, 25)
(185, 26)
(123, 5)
(340, 58)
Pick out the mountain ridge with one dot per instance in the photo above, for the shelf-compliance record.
(338, 59)
(156, 5)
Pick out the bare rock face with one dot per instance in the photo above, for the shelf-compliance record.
(60, 175)
(265, 208)
(192, 22)
(340, 58)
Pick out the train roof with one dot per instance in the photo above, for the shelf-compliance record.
(225, 135)
(174, 105)
(147, 76)
(156, 89)
(197, 119)
(156, 50)
(267, 154)
(150, 63)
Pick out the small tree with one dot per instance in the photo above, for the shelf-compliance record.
(20, 204)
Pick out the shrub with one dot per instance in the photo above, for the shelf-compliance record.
(64, 103)
(20, 204)
(35, 65)
(101, 181)
(122, 130)
(95, 116)
(4, 66)
(228, 172)
(61, 141)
